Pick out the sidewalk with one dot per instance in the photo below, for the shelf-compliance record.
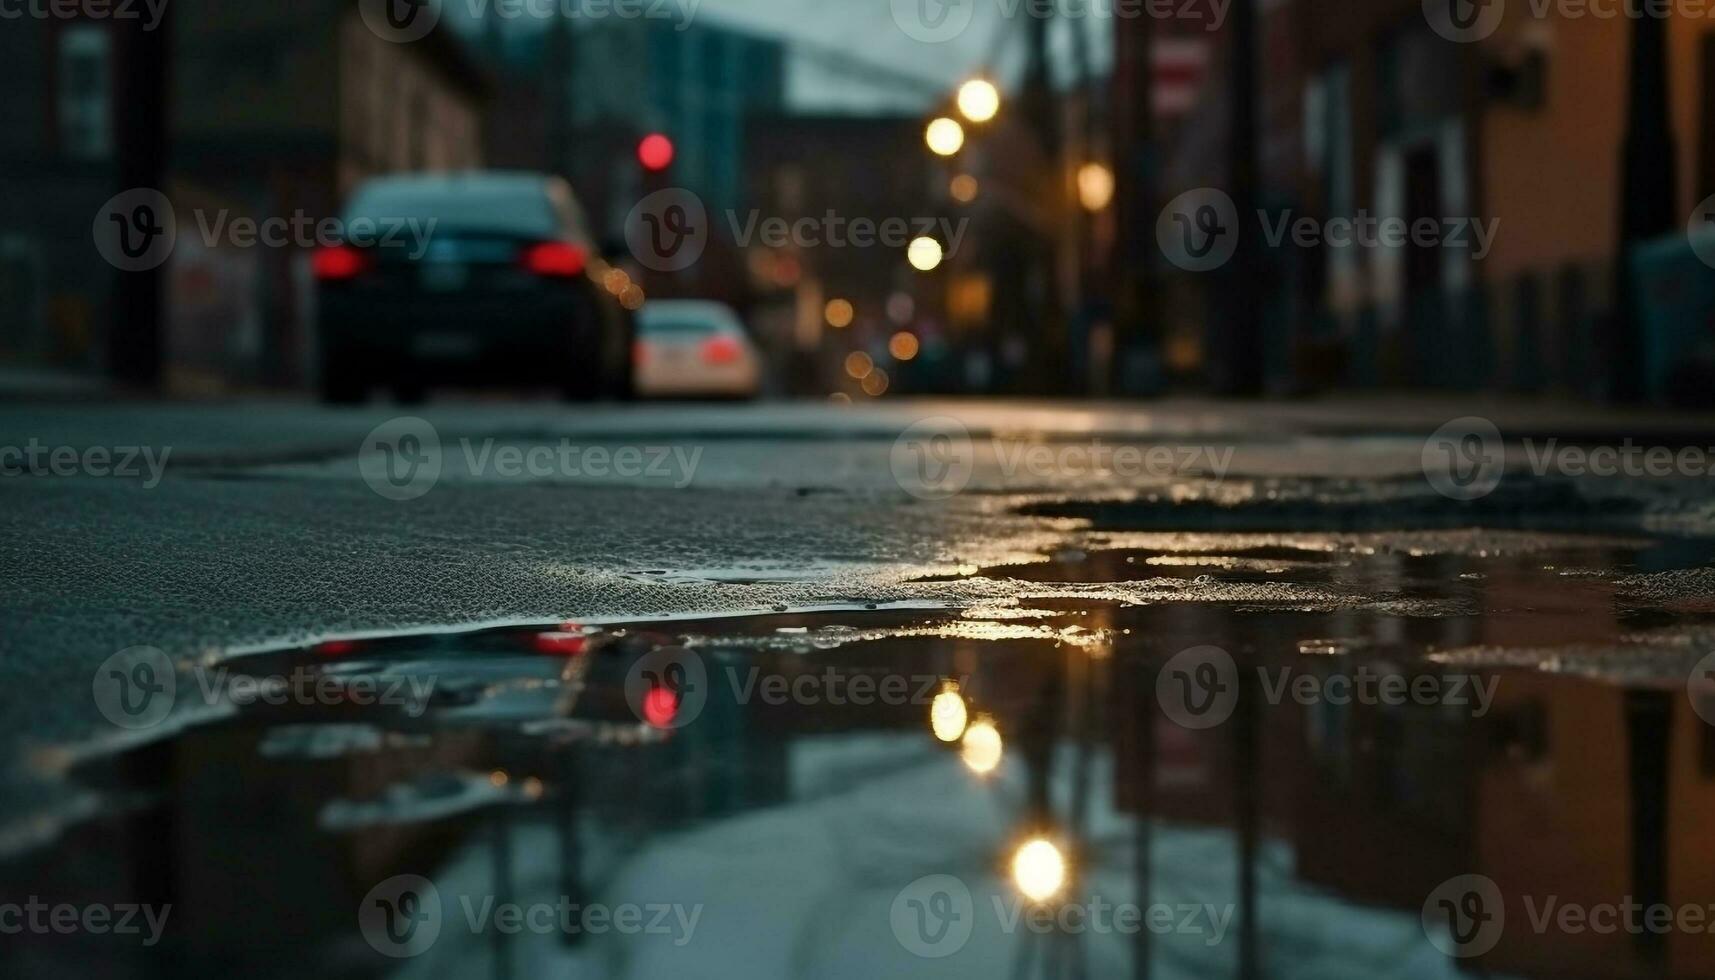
(19, 383)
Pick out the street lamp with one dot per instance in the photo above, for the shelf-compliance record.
(979, 100)
(1095, 186)
(1038, 869)
(948, 716)
(980, 747)
(838, 313)
(924, 254)
(944, 136)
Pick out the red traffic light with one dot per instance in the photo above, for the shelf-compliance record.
(655, 152)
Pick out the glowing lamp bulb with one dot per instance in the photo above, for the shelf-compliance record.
(1038, 869)
(1095, 186)
(944, 136)
(981, 748)
(924, 254)
(979, 100)
(947, 715)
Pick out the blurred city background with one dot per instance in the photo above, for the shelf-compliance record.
(1054, 182)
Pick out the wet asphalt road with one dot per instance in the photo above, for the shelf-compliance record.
(229, 530)
(206, 530)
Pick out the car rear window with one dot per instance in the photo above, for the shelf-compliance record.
(509, 210)
(678, 325)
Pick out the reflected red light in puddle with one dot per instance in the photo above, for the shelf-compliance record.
(560, 644)
(660, 707)
(334, 648)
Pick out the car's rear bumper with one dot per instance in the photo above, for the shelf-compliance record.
(547, 337)
(739, 380)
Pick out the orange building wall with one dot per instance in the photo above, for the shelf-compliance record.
(1552, 174)
(1559, 826)
(1691, 845)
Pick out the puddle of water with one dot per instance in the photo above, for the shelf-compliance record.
(1290, 791)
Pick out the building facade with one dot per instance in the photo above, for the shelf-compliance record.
(281, 110)
(58, 161)
(1369, 114)
(272, 111)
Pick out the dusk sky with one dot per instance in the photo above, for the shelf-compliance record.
(864, 32)
(866, 29)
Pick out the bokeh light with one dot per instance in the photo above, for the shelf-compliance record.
(964, 188)
(655, 152)
(1095, 186)
(1038, 869)
(901, 308)
(875, 383)
(981, 748)
(944, 136)
(839, 313)
(859, 365)
(924, 254)
(903, 345)
(979, 100)
(947, 714)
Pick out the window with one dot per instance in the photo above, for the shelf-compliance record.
(85, 93)
(21, 297)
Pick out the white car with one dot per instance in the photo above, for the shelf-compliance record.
(694, 349)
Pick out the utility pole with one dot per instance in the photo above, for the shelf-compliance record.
(1135, 161)
(1095, 288)
(137, 326)
(1647, 185)
(557, 71)
(1247, 732)
(1043, 294)
(1037, 103)
(1649, 741)
(1241, 359)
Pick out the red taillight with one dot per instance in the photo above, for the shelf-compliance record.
(639, 352)
(560, 644)
(660, 707)
(721, 350)
(555, 259)
(570, 640)
(336, 262)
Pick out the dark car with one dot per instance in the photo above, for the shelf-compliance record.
(467, 279)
